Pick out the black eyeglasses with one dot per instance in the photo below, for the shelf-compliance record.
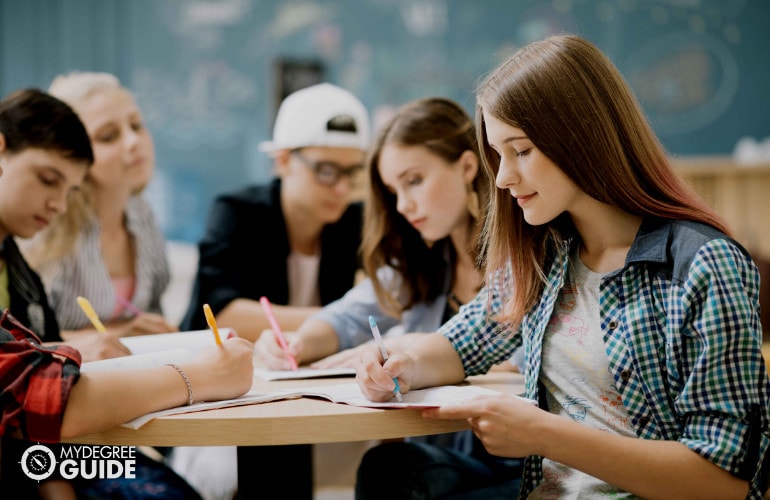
(329, 173)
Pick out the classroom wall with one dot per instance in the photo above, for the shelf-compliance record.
(204, 71)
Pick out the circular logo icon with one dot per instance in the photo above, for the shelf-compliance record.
(38, 462)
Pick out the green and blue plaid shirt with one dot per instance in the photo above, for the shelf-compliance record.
(683, 338)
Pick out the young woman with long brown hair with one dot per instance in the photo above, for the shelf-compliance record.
(638, 313)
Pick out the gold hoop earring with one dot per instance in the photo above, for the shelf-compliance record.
(473, 203)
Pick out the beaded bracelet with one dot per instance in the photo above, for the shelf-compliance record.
(186, 381)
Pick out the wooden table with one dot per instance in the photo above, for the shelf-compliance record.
(302, 421)
(296, 421)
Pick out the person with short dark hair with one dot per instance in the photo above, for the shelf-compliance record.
(108, 246)
(45, 153)
(293, 240)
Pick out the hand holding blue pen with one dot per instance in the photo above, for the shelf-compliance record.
(384, 353)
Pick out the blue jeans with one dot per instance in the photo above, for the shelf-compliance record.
(404, 470)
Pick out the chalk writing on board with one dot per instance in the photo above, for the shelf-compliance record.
(684, 81)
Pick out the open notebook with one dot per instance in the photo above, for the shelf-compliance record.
(250, 398)
(177, 347)
(158, 350)
(350, 393)
(161, 349)
(344, 393)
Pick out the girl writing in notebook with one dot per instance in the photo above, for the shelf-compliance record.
(638, 313)
(421, 222)
(419, 243)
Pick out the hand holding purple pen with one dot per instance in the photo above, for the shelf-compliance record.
(384, 353)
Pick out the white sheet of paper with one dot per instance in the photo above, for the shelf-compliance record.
(139, 361)
(194, 340)
(420, 398)
(251, 397)
(157, 350)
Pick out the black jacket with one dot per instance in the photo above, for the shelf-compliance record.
(244, 250)
(29, 303)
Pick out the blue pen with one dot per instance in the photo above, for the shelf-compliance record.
(384, 352)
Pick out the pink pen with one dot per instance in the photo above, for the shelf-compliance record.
(128, 305)
(277, 331)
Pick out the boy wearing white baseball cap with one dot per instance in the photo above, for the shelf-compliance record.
(294, 241)
(320, 115)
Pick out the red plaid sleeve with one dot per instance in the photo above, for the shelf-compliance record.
(35, 383)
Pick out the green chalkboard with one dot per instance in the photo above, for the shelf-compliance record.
(204, 71)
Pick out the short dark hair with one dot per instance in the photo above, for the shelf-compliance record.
(31, 118)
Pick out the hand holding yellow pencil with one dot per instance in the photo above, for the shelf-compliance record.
(85, 305)
(212, 323)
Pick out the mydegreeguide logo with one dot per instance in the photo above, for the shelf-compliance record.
(39, 462)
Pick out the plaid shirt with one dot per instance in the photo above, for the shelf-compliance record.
(683, 338)
(35, 383)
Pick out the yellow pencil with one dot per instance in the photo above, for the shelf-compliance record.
(86, 307)
(212, 323)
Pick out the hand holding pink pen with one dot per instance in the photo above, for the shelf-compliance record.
(277, 331)
(128, 305)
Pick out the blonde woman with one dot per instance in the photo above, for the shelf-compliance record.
(107, 247)
(45, 154)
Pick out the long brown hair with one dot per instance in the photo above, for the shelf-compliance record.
(445, 129)
(577, 109)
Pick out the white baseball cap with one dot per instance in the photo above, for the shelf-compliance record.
(320, 115)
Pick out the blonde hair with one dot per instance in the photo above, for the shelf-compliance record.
(60, 237)
(76, 87)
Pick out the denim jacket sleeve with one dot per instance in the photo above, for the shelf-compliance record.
(349, 315)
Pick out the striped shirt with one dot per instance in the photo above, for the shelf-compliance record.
(84, 273)
(681, 330)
